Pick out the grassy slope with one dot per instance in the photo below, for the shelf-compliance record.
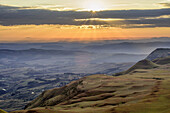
(2, 111)
(144, 91)
(159, 100)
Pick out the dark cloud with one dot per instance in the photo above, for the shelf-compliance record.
(144, 23)
(130, 18)
(131, 23)
(4, 7)
(165, 4)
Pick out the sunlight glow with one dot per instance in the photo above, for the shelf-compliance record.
(98, 19)
(94, 5)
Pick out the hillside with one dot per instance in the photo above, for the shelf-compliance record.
(159, 53)
(108, 94)
(144, 88)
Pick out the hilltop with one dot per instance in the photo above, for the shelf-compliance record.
(158, 57)
(143, 64)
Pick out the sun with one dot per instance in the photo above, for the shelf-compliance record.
(94, 5)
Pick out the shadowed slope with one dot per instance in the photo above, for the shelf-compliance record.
(143, 64)
(159, 53)
(162, 61)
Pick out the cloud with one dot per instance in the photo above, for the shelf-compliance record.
(165, 4)
(143, 23)
(11, 15)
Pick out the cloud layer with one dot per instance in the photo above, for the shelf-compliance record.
(10, 15)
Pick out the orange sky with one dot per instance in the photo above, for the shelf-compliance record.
(83, 20)
(37, 33)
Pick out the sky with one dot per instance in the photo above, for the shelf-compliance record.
(83, 20)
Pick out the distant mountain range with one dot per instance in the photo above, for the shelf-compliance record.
(34, 52)
(130, 47)
(143, 46)
(66, 61)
